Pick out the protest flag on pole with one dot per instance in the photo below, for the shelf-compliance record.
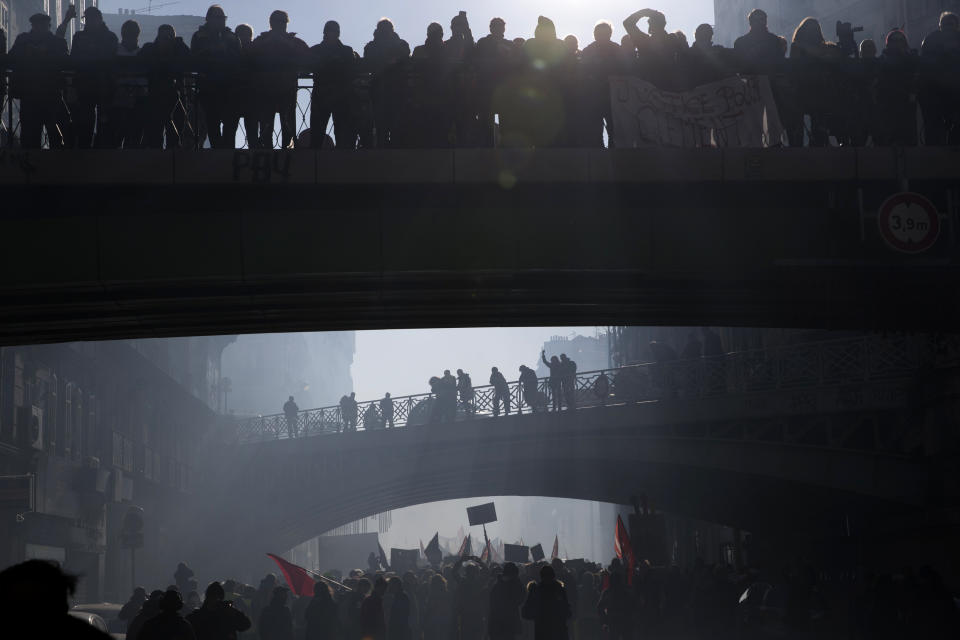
(297, 577)
(621, 544)
(465, 548)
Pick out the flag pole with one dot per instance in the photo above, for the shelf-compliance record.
(326, 579)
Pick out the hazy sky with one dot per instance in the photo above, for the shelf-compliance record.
(402, 362)
(358, 17)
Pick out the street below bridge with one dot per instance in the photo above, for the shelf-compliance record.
(791, 442)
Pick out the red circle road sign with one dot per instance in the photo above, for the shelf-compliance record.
(909, 222)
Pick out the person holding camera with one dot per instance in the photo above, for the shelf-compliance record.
(216, 619)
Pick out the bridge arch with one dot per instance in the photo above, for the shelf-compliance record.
(287, 491)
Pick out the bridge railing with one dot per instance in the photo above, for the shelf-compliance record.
(810, 365)
(848, 83)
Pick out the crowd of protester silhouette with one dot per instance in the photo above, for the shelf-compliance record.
(450, 395)
(459, 92)
(469, 598)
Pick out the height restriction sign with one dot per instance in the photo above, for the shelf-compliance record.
(909, 222)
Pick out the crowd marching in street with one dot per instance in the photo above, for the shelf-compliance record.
(470, 598)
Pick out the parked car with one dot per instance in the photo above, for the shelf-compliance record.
(92, 619)
(107, 613)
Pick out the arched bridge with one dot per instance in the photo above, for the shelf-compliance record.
(769, 440)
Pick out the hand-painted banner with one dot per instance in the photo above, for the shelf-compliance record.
(735, 112)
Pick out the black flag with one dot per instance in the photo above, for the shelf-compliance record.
(383, 557)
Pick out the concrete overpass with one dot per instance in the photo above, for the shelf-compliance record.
(795, 458)
(112, 244)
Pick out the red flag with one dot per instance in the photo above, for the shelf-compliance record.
(556, 548)
(621, 544)
(485, 556)
(466, 548)
(297, 577)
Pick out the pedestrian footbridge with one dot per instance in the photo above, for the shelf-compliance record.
(789, 438)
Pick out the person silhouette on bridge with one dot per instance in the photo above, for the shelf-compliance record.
(448, 397)
(371, 419)
(528, 385)
(334, 65)
(547, 606)
(501, 392)
(36, 57)
(385, 57)
(276, 622)
(465, 388)
(568, 382)
(167, 53)
(93, 47)
(277, 54)
(601, 387)
(290, 410)
(348, 411)
(386, 410)
(556, 379)
(217, 50)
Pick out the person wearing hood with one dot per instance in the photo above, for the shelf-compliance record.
(168, 624)
(897, 92)
(216, 619)
(36, 57)
(547, 606)
(216, 49)
(278, 55)
(459, 51)
(276, 622)
(94, 48)
(385, 57)
(150, 608)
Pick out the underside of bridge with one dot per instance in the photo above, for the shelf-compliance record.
(276, 495)
(163, 244)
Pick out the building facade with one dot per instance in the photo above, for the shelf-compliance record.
(99, 429)
(265, 369)
(184, 25)
(877, 17)
(591, 353)
(15, 15)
